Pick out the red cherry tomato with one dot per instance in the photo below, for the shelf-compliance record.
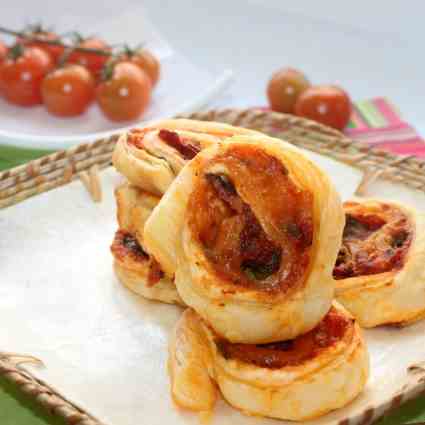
(146, 61)
(21, 74)
(3, 54)
(3, 51)
(125, 94)
(54, 51)
(92, 61)
(329, 105)
(284, 88)
(68, 91)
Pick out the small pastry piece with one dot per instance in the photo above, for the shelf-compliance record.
(298, 379)
(152, 157)
(251, 228)
(140, 272)
(134, 206)
(380, 269)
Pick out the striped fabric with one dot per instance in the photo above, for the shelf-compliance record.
(378, 123)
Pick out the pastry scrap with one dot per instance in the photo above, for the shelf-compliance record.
(380, 269)
(298, 379)
(251, 229)
(153, 156)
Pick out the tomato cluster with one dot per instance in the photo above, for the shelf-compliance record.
(289, 91)
(67, 80)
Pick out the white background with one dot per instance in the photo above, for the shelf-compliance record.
(372, 48)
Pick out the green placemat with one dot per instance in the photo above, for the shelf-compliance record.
(11, 156)
(19, 409)
(15, 407)
(410, 413)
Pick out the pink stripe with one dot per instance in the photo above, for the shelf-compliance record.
(394, 142)
(420, 153)
(389, 138)
(405, 145)
(386, 110)
(417, 149)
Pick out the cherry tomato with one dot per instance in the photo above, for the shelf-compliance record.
(145, 60)
(68, 91)
(92, 61)
(3, 54)
(54, 51)
(125, 94)
(329, 105)
(3, 51)
(284, 89)
(21, 74)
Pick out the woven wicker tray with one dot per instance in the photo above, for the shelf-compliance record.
(60, 168)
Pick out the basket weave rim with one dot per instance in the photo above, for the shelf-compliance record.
(46, 173)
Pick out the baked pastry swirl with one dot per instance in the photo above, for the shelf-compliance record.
(380, 269)
(152, 157)
(251, 228)
(299, 379)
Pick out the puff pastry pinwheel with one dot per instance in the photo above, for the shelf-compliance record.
(251, 228)
(134, 267)
(298, 379)
(380, 269)
(152, 157)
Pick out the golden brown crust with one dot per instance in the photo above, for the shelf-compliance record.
(189, 365)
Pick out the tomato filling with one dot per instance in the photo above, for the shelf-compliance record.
(155, 273)
(187, 150)
(184, 147)
(126, 245)
(135, 137)
(293, 352)
(374, 241)
(254, 224)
